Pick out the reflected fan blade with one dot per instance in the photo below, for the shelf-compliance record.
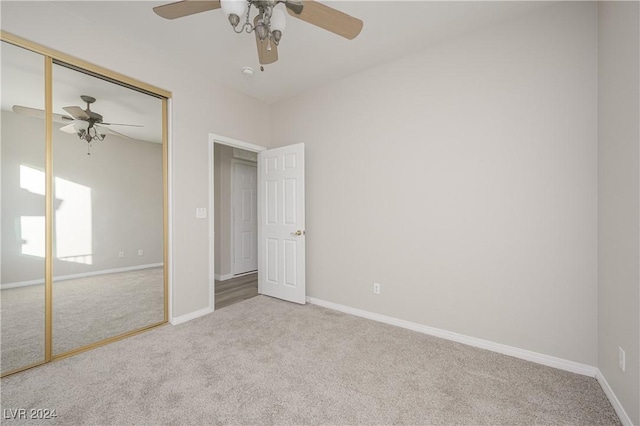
(108, 131)
(38, 113)
(69, 128)
(77, 112)
(328, 18)
(265, 55)
(185, 8)
(120, 124)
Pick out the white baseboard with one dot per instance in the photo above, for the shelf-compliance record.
(82, 275)
(548, 360)
(188, 317)
(624, 417)
(222, 277)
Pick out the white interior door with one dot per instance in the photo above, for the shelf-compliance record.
(245, 223)
(281, 230)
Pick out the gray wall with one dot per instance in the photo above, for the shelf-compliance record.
(619, 200)
(125, 180)
(463, 179)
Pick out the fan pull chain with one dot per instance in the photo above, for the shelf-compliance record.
(89, 148)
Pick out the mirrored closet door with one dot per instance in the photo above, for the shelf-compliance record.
(22, 209)
(108, 210)
(83, 159)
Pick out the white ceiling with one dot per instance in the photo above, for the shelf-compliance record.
(308, 56)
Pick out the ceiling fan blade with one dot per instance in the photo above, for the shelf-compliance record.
(108, 131)
(265, 55)
(69, 128)
(38, 113)
(328, 18)
(185, 8)
(77, 112)
(120, 124)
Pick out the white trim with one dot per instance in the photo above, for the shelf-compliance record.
(548, 360)
(624, 417)
(235, 143)
(170, 184)
(244, 274)
(212, 226)
(81, 275)
(223, 140)
(190, 316)
(223, 277)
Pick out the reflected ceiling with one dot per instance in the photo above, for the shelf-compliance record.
(117, 104)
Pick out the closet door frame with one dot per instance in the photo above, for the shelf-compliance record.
(52, 56)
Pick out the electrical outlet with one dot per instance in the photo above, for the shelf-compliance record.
(376, 288)
(201, 213)
(121, 254)
(140, 252)
(621, 358)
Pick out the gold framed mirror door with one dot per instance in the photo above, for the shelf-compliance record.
(83, 206)
(22, 197)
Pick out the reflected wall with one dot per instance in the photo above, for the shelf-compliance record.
(22, 210)
(108, 210)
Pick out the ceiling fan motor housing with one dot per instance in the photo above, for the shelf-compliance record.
(261, 4)
(94, 116)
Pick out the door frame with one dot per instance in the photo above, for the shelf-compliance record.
(234, 143)
(234, 162)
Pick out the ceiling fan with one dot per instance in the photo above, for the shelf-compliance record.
(269, 22)
(86, 124)
(94, 127)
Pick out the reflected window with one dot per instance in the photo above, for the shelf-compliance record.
(32, 227)
(32, 179)
(73, 222)
(32, 235)
(73, 219)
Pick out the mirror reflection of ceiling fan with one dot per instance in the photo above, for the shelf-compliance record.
(269, 23)
(86, 124)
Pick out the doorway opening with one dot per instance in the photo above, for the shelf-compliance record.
(235, 223)
(280, 216)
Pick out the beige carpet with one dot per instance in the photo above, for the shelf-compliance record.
(85, 310)
(264, 361)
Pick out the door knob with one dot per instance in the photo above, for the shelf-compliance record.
(297, 233)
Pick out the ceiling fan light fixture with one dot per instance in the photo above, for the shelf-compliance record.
(81, 125)
(278, 21)
(262, 30)
(277, 35)
(234, 7)
(234, 20)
